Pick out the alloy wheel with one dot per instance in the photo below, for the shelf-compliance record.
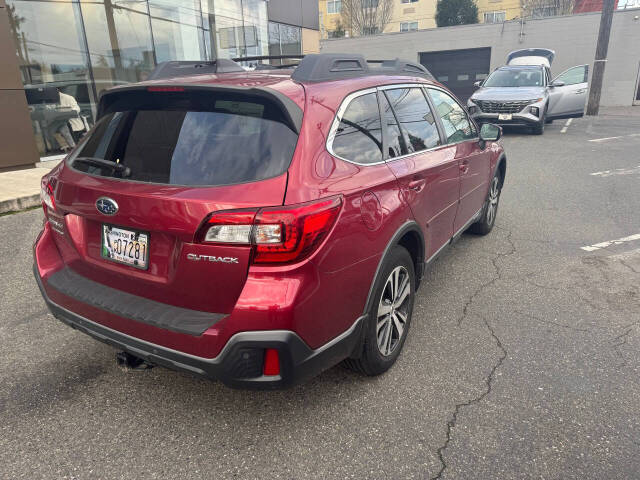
(393, 310)
(492, 205)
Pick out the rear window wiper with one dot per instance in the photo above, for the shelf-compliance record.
(123, 170)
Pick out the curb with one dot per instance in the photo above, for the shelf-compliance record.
(20, 203)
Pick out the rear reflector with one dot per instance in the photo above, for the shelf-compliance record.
(271, 362)
(278, 235)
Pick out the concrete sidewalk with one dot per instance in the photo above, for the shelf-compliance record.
(21, 189)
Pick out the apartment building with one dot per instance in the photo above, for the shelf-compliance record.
(408, 16)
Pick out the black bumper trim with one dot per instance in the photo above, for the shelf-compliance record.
(298, 361)
(140, 309)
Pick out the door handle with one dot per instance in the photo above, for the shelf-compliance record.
(464, 166)
(417, 185)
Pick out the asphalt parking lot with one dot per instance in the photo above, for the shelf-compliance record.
(522, 361)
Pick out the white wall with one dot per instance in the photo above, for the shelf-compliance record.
(572, 37)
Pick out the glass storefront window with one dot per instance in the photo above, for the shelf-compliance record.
(256, 33)
(284, 40)
(119, 40)
(54, 69)
(178, 32)
(229, 33)
(71, 50)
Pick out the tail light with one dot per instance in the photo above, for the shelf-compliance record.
(46, 196)
(277, 235)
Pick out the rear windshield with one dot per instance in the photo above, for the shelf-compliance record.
(189, 138)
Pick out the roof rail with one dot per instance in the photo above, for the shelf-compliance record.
(315, 67)
(185, 68)
(322, 67)
(267, 57)
(398, 66)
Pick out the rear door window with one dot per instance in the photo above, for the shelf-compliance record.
(192, 139)
(358, 137)
(393, 136)
(415, 117)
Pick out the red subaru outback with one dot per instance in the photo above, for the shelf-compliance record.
(260, 227)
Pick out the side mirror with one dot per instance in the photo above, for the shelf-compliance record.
(490, 132)
(477, 84)
(557, 84)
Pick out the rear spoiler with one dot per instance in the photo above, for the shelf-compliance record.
(292, 112)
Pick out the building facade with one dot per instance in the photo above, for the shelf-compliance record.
(497, 11)
(407, 16)
(461, 55)
(58, 56)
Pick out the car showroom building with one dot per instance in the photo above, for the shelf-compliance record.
(57, 56)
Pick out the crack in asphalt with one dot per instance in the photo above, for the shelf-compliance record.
(488, 380)
(629, 266)
(497, 276)
(622, 340)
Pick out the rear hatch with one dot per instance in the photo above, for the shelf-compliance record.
(132, 202)
(531, 56)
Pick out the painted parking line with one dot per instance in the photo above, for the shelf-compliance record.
(606, 139)
(598, 246)
(566, 125)
(617, 171)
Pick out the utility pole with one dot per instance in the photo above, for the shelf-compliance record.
(601, 57)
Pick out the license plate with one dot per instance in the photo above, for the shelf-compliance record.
(126, 246)
(505, 116)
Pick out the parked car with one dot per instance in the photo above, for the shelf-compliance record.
(523, 93)
(260, 227)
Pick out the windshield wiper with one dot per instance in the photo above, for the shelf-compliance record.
(123, 170)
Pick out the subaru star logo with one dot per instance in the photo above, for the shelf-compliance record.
(106, 206)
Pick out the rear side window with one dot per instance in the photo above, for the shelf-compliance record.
(457, 126)
(191, 139)
(359, 135)
(415, 117)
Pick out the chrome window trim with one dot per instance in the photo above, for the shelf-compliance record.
(349, 98)
(338, 118)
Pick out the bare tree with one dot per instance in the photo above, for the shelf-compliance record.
(366, 17)
(547, 8)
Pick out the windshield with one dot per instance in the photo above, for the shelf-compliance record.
(190, 139)
(514, 78)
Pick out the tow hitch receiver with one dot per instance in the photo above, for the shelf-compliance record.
(127, 361)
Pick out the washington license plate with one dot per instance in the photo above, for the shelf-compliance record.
(505, 116)
(125, 246)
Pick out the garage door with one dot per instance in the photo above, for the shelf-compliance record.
(458, 70)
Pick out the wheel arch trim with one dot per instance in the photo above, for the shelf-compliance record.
(408, 226)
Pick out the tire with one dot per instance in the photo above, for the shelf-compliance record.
(489, 209)
(382, 339)
(548, 120)
(538, 128)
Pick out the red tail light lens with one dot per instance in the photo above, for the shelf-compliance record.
(300, 230)
(46, 196)
(278, 234)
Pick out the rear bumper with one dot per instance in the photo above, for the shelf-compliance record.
(239, 364)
